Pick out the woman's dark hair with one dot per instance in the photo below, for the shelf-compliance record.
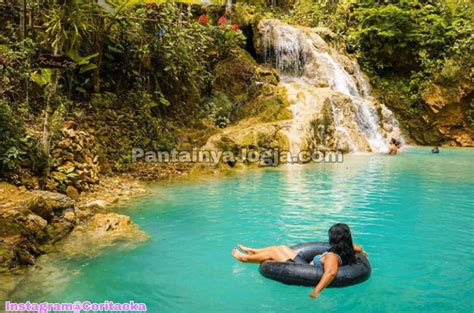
(340, 240)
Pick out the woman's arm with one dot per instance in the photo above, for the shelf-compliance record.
(358, 249)
(331, 265)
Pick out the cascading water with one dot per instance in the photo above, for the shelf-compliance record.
(325, 88)
(228, 5)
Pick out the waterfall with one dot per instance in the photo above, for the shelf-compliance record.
(228, 5)
(324, 84)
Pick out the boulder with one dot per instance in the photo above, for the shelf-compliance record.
(100, 231)
(235, 75)
(46, 203)
(35, 223)
(83, 214)
(70, 216)
(438, 96)
(96, 205)
(59, 228)
(109, 223)
(72, 193)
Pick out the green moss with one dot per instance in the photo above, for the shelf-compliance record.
(234, 76)
(7, 256)
(9, 227)
(271, 105)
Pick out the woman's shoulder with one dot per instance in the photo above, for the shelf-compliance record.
(332, 254)
(333, 257)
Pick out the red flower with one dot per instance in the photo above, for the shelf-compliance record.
(223, 20)
(235, 27)
(203, 19)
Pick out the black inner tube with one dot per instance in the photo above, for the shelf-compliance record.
(309, 275)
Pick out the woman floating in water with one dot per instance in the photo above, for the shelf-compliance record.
(341, 252)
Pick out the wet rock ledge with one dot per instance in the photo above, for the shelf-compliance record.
(32, 222)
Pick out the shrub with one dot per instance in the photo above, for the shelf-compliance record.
(10, 133)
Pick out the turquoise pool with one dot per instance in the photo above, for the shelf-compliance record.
(413, 213)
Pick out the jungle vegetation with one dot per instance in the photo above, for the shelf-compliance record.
(156, 60)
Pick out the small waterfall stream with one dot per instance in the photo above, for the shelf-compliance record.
(324, 84)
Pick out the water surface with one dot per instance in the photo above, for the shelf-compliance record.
(413, 213)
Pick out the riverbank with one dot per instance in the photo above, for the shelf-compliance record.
(36, 222)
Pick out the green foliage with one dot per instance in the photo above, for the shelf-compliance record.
(413, 44)
(67, 24)
(220, 109)
(226, 39)
(150, 62)
(407, 35)
(84, 62)
(10, 134)
(15, 68)
(315, 13)
(41, 77)
(177, 46)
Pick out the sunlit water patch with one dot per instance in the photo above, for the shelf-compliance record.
(413, 213)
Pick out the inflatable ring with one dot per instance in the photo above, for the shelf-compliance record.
(309, 275)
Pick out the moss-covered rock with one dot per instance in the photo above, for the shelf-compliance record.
(6, 257)
(271, 105)
(19, 242)
(235, 75)
(26, 227)
(439, 117)
(48, 204)
(102, 230)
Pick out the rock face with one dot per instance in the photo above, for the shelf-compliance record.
(450, 112)
(329, 97)
(102, 230)
(26, 229)
(87, 240)
(75, 161)
(31, 222)
(72, 193)
(265, 131)
(322, 102)
(247, 86)
(250, 135)
(235, 75)
(47, 204)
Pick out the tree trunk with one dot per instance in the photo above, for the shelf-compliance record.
(21, 4)
(48, 112)
(98, 49)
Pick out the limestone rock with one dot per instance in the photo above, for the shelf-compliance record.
(46, 203)
(70, 216)
(83, 214)
(102, 230)
(437, 96)
(75, 162)
(35, 222)
(72, 193)
(234, 75)
(464, 140)
(96, 205)
(110, 222)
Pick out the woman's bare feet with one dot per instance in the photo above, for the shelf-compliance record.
(238, 255)
(247, 249)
